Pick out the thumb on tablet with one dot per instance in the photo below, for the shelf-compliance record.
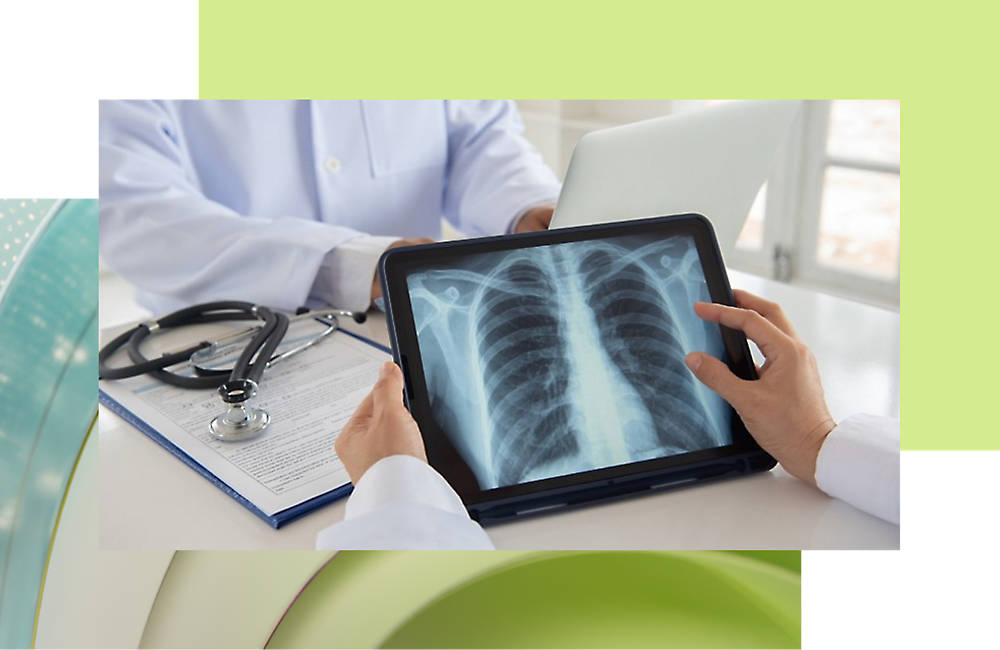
(388, 390)
(715, 374)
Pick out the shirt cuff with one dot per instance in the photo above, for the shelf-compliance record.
(859, 464)
(521, 213)
(402, 478)
(345, 277)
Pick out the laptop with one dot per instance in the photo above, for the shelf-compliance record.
(711, 161)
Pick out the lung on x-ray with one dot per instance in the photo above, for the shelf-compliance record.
(553, 360)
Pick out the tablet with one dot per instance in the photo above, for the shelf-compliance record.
(546, 370)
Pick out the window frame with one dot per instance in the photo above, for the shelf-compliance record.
(792, 224)
(817, 160)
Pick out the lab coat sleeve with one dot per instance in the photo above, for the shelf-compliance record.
(494, 173)
(159, 230)
(859, 464)
(345, 277)
(402, 503)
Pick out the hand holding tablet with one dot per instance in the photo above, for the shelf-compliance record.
(784, 410)
(380, 427)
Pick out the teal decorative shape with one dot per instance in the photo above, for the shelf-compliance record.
(48, 397)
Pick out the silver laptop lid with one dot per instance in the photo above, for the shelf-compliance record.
(711, 161)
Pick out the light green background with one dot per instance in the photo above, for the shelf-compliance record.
(360, 599)
(316, 49)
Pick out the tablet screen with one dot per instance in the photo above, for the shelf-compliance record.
(552, 360)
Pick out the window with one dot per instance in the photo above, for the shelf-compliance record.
(828, 215)
(849, 238)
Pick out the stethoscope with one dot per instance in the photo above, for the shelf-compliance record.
(237, 386)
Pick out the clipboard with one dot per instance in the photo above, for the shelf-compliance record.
(339, 372)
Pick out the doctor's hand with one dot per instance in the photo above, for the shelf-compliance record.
(381, 427)
(376, 286)
(537, 218)
(784, 409)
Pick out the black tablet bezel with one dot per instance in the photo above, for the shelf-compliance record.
(743, 455)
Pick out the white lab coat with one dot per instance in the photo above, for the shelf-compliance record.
(402, 503)
(285, 203)
(859, 464)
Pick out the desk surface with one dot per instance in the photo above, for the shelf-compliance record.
(148, 500)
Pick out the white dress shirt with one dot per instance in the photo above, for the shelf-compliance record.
(285, 203)
(403, 503)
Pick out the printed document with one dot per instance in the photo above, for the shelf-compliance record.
(309, 398)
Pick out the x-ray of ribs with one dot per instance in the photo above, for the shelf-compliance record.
(576, 356)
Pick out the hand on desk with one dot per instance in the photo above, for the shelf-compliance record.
(784, 409)
(381, 427)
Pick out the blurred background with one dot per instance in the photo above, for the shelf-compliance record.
(18, 220)
(827, 218)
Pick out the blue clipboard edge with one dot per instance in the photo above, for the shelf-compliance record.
(277, 520)
(370, 342)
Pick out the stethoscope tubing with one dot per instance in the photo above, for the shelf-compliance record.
(237, 386)
(265, 341)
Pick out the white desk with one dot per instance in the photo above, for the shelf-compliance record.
(149, 500)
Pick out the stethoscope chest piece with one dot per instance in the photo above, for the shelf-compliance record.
(240, 421)
(239, 384)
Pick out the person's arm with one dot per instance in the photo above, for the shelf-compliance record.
(399, 501)
(495, 176)
(859, 464)
(785, 411)
(160, 231)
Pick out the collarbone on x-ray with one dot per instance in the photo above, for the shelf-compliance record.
(553, 360)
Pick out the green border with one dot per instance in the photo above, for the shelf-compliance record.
(629, 48)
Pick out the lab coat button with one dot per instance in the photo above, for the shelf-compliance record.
(333, 165)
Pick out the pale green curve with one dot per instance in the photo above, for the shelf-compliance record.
(360, 599)
(59, 518)
(227, 599)
(48, 361)
(615, 599)
(94, 599)
(361, 595)
(766, 587)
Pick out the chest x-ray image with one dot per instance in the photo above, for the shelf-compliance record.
(553, 360)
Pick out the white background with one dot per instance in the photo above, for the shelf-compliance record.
(58, 58)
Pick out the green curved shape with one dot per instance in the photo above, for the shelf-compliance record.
(360, 596)
(791, 560)
(615, 599)
(48, 362)
(364, 599)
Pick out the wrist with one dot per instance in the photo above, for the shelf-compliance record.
(532, 219)
(808, 451)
